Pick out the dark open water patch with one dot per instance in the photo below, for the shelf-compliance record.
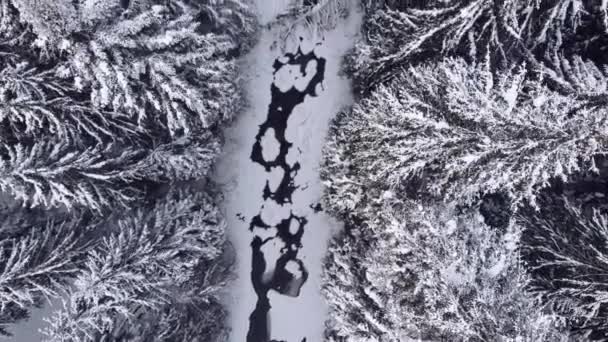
(316, 207)
(290, 230)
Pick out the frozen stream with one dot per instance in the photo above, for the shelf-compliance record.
(269, 175)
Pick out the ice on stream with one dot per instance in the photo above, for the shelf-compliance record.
(242, 180)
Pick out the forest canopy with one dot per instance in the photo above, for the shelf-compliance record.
(470, 174)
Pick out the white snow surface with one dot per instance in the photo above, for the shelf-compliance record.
(242, 180)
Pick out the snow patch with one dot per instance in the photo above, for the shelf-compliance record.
(270, 145)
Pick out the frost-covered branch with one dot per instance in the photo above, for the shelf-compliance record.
(52, 174)
(34, 103)
(566, 255)
(37, 265)
(509, 30)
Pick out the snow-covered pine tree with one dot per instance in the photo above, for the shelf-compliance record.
(537, 31)
(143, 264)
(36, 100)
(409, 273)
(169, 65)
(527, 109)
(567, 259)
(453, 131)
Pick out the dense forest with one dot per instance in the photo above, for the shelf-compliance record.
(110, 120)
(471, 174)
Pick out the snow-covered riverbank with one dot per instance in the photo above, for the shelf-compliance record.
(291, 318)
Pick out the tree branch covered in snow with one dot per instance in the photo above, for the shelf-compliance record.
(37, 265)
(566, 255)
(34, 102)
(537, 31)
(51, 175)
